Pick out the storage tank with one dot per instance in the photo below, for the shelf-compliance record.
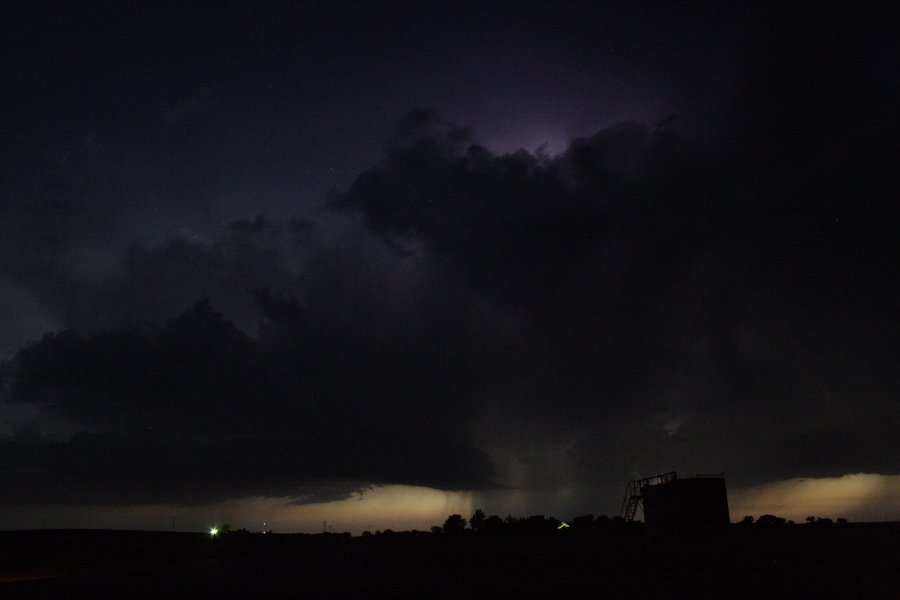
(696, 502)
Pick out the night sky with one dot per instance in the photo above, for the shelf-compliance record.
(338, 261)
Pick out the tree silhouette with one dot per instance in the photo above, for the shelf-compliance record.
(477, 520)
(583, 522)
(492, 524)
(454, 524)
(770, 521)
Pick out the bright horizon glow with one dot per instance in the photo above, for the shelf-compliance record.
(857, 497)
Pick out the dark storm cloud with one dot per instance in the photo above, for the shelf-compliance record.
(714, 292)
(336, 374)
(200, 411)
(717, 289)
(153, 283)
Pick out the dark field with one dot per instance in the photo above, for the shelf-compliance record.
(846, 561)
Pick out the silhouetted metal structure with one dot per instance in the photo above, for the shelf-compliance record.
(634, 492)
(667, 501)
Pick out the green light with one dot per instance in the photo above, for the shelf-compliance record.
(213, 531)
(563, 525)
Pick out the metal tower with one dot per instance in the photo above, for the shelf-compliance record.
(634, 493)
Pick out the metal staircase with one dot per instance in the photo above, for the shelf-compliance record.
(632, 501)
(633, 493)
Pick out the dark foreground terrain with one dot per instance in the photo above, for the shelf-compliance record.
(847, 561)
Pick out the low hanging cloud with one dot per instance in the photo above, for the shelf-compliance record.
(336, 379)
(199, 411)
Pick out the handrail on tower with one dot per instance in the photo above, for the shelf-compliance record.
(634, 494)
